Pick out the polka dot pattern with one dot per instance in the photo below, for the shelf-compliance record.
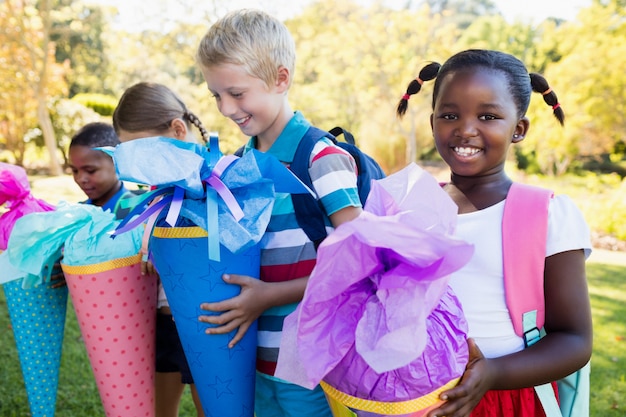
(116, 312)
(38, 320)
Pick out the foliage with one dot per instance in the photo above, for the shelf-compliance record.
(354, 62)
(18, 104)
(68, 116)
(601, 198)
(28, 36)
(102, 104)
(78, 31)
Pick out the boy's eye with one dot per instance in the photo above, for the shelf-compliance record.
(487, 117)
(448, 116)
(236, 95)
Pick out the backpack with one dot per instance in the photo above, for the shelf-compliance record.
(309, 211)
(525, 218)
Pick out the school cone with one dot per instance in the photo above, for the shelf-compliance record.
(116, 310)
(37, 314)
(38, 321)
(223, 377)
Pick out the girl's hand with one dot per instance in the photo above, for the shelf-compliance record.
(238, 312)
(57, 278)
(147, 268)
(475, 382)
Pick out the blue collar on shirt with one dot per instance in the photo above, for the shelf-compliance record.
(284, 148)
(110, 205)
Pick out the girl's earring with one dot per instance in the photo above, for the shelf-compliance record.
(515, 136)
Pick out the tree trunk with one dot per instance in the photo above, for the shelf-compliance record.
(43, 116)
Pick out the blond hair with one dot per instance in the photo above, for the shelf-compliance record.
(253, 39)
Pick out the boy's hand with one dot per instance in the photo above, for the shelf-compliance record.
(475, 382)
(238, 312)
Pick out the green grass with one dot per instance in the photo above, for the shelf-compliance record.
(607, 288)
(78, 396)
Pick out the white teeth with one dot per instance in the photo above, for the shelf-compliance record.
(463, 151)
(243, 119)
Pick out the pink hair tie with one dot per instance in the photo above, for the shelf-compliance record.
(419, 80)
(548, 91)
(406, 97)
(556, 106)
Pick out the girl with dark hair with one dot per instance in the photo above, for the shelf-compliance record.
(479, 103)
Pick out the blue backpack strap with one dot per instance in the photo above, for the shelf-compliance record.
(309, 213)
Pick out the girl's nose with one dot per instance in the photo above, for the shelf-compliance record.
(467, 129)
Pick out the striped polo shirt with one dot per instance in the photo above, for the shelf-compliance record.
(286, 251)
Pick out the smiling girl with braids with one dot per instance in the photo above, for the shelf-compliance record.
(479, 102)
(150, 109)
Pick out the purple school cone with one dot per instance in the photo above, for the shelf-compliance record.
(224, 377)
(38, 320)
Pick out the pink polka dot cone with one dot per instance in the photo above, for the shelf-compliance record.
(116, 311)
(38, 320)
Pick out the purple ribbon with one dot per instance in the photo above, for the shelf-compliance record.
(215, 182)
(175, 196)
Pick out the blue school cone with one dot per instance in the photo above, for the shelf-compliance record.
(223, 377)
(38, 320)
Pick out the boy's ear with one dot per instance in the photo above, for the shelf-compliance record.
(283, 79)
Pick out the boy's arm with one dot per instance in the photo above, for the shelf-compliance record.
(345, 215)
(255, 297)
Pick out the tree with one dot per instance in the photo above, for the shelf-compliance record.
(78, 31)
(589, 80)
(32, 32)
(17, 103)
(353, 66)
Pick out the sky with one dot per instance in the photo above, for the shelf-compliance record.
(136, 14)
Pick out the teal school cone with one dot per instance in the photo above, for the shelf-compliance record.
(38, 320)
(224, 377)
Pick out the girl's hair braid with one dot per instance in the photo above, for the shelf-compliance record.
(427, 73)
(540, 85)
(193, 119)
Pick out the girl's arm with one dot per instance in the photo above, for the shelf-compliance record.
(565, 348)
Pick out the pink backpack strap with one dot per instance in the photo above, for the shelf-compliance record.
(524, 236)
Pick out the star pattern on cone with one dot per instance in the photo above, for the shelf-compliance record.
(193, 356)
(235, 349)
(192, 243)
(175, 280)
(221, 387)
